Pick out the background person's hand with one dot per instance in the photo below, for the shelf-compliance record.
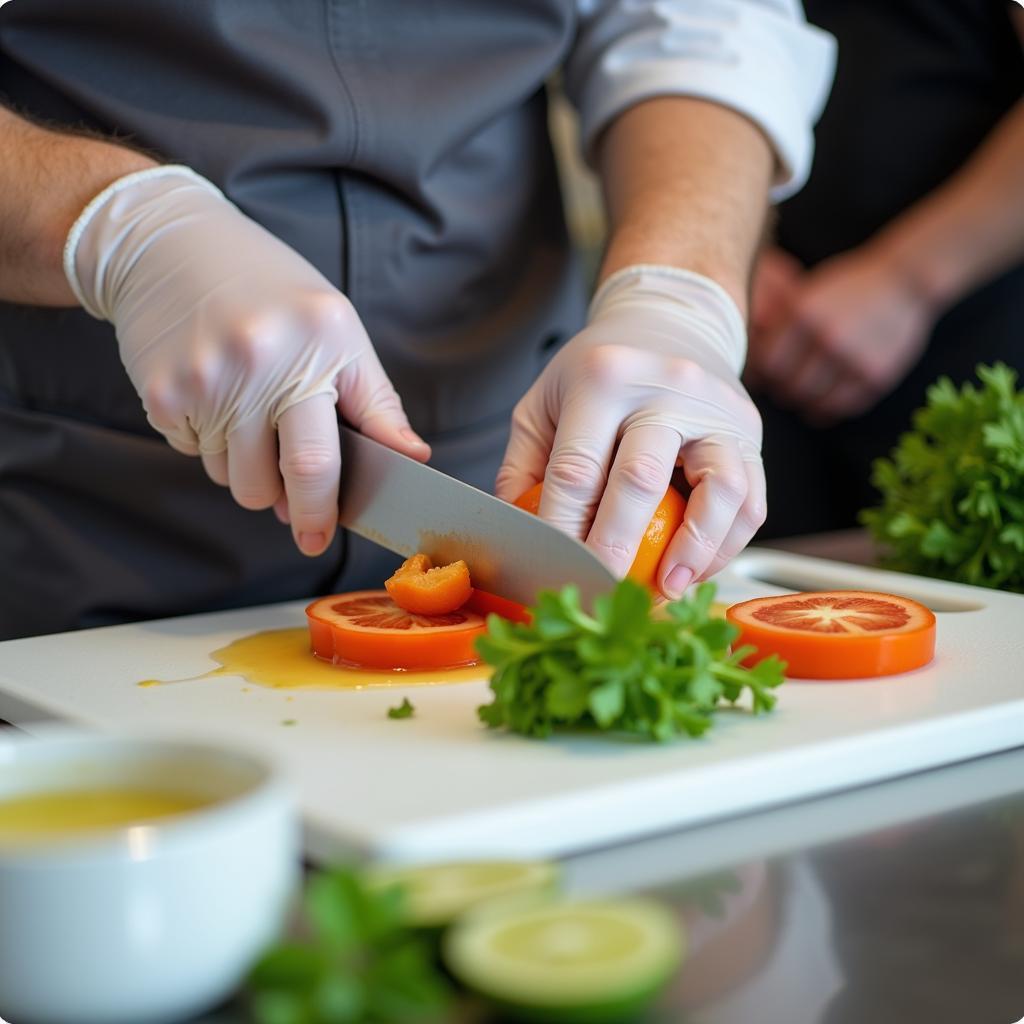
(649, 383)
(776, 281)
(855, 328)
(238, 347)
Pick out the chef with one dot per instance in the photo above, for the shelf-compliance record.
(223, 224)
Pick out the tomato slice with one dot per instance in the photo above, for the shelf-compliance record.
(366, 629)
(837, 634)
(485, 603)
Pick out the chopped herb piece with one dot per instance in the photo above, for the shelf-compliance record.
(404, 710)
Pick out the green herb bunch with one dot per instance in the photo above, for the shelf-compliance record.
(359, 964)
(621, 668)
(953, 488)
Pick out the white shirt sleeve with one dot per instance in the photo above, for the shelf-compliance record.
(759, 57)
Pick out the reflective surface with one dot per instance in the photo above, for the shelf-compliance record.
(902, 902)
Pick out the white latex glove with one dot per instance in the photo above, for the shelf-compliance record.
(651, 382)
(238, 347)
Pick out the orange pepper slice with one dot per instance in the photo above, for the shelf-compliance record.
(484, 603)
(420, 588)
(667, 518)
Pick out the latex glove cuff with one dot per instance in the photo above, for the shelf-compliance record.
(701, 307)
(87, 254)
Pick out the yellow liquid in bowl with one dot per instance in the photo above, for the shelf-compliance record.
(59, 814)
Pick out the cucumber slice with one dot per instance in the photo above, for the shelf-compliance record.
(436, 894)
(568, 963)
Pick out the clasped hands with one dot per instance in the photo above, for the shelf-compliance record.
(833, 341)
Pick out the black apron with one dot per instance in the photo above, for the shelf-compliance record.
(402, 148)
(919, 84)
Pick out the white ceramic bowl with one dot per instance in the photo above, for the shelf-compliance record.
(151, 923)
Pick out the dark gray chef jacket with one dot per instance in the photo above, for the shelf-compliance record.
(399, 146)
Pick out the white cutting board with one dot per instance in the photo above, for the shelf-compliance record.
(440, 785)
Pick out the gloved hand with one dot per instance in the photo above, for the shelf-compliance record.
(652, 381)
(238, 347)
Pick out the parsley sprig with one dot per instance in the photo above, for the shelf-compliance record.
(620, 668)
(357, 964)
(953, 489)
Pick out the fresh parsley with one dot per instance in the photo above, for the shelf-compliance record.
(404, 710)
(359, 964)
(953, 488)
(620, 668)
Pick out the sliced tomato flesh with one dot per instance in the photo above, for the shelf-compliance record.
(839, 634)
(832, 613)
(366, 629)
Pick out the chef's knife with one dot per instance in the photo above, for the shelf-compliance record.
(407, 507)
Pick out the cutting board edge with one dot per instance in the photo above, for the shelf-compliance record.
(808, 777)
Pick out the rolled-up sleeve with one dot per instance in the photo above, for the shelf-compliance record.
(758, 57)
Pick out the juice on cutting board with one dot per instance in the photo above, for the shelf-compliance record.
(281, 659)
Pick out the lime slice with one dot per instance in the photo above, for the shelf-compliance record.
(438, 893)
(568, 963)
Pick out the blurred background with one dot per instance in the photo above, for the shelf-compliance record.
(902, 260)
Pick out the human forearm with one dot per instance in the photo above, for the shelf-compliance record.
(651, 382)
(686, 183)
(46, 178)
(969, 229)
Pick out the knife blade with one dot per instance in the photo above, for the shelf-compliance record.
(408, 507)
